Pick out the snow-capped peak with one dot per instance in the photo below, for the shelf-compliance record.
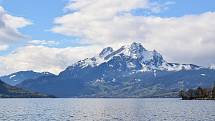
(136, 48)
(106, 51)
(136, 57)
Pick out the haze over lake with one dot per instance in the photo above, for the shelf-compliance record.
(106, 110)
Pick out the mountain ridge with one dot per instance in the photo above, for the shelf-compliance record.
(130, 71)
(149, 60)
(18, 77)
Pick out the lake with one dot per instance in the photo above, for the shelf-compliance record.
(72, 109)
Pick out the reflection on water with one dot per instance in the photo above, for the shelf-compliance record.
(106, 110)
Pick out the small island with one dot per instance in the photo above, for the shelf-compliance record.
(198, 94)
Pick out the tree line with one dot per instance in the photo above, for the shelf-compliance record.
(199, 93)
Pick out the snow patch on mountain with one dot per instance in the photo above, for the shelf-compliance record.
(212, 66)
(12, 76)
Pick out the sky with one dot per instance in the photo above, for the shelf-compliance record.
(49, 35)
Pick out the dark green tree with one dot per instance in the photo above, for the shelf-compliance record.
(213, 92)
(199, 93)
(191, 94)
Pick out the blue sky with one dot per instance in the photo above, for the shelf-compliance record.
(42, 14)
(186, 7)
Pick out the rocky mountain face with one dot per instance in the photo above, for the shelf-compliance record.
(130, 71)
(18, 77)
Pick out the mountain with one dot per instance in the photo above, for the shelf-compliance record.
(16, 78)
(7, 91)
(130, 71)
(132, 57)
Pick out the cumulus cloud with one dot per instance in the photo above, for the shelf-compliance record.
(185, 39)
(9, 26)
(41, 58)
(100, 21)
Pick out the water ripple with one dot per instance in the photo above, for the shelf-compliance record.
(106, 110)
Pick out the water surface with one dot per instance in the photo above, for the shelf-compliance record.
(106, 110)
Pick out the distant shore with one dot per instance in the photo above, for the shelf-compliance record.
(200, 99)
(198, 94)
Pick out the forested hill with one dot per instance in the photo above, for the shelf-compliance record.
(7, 91)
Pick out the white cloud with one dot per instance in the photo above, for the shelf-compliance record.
(186, 39)
(41, 58)
(43, 42)
(3, 47)
(100, 23)
(9, 26)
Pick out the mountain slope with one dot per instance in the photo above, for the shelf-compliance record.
(7, 91)
(130, 71)
(16, 78)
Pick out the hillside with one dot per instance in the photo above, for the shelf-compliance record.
(7, 91)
